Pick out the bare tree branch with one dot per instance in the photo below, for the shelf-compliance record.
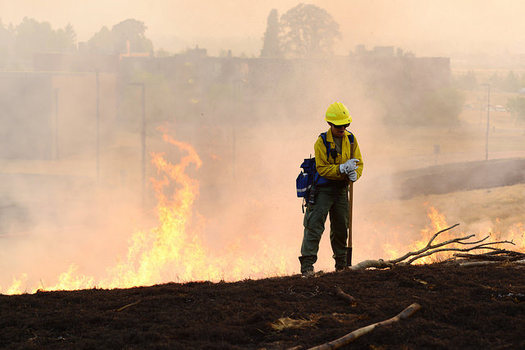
(431, 248)
(428, 246)
(475, 242)
(481, 246)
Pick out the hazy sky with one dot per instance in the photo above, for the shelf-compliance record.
(426, 27)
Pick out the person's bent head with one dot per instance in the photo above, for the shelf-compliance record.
(338, 117)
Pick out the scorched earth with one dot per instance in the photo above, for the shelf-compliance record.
(461, 308)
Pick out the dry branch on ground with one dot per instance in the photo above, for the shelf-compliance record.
(497, 256)
(350, 337)
(445, 246)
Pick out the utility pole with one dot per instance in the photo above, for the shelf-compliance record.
(143, 144)
(237, 86)
(56, 125)
(98, 125)
(488, 123)
(143, 139)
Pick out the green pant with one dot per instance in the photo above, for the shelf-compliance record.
(331, 199)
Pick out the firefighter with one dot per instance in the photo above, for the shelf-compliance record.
(336, 169)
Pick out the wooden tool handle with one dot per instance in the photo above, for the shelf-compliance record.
(350, 205)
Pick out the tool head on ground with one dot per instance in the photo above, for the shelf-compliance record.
(338, 114)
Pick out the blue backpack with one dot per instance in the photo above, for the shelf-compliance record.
(309, 178)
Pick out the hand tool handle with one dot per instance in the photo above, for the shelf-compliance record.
(350, 204)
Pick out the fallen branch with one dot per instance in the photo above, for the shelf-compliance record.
(126, 306)
(430, 249)
(429, 245)
(495, 255)
(478, 263)
(480, 246)
(378, 264)
(350, 337)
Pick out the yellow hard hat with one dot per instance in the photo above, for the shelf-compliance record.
(338, 114)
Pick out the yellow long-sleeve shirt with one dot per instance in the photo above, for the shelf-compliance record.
(329, 168)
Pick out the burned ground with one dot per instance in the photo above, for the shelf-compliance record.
(461, 308)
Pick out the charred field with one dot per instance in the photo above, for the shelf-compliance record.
(461, 308)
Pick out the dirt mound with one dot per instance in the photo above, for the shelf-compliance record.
(460, 177)
(462, 308)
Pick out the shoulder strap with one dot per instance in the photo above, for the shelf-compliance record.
(326, 145)
(351, 138)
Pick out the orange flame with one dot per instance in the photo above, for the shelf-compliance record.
(175, 250)
(515, 234)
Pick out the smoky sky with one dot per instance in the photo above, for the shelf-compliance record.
(425, 27)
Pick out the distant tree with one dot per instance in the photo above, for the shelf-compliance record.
(409, 106)
(439, 107)
(32, 36)
(271, 36)
(511, 83)
(65, 39)
(467, 81)
(5, 35)
(133, 31)
(6, 39)
(70, 35)
(308, 31)
(516, 106)
(495, 80)
(115, 40)
(522, 80)
(101, 42)
(162, 53)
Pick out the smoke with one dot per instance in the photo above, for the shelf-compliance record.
(82, 209)
(437, 27)
(65, 203)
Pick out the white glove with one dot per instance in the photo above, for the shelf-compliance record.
(348, 166)
(352, 176)
(353, 163)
